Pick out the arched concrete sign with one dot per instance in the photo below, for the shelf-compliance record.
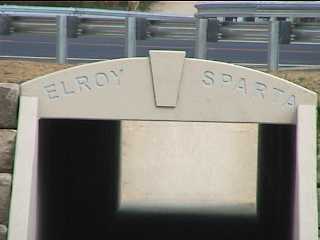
(168, 86)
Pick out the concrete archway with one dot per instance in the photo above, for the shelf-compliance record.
(169, 87)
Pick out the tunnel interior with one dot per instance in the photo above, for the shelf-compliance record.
(78, 188)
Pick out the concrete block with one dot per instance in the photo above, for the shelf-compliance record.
(188, 167)
(5, 192)
(318, 191)
(305, 217)
(318, 169)
(9, 95)
(3, 232)
(166, 83)
(7, 146)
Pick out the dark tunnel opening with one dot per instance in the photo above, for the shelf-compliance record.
(79, 185)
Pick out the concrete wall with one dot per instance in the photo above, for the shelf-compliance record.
(9, 94)
(188, 166)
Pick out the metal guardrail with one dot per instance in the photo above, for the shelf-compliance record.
(167, 29)
(175, 29)
(105, 27)
(275, 31)
(306, 32)
(228, 31)
(138, 25)
(12, 10)
(258, 9)
(245, 31)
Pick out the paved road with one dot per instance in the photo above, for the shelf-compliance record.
(107, 48)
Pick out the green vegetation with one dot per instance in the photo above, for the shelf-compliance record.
(112, 5)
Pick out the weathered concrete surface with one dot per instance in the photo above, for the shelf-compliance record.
(230, 93)
(318, 205)
(183, 166)
(3, 232)
(7, 145)
(9, 95)
(5, 192)
(318, 159)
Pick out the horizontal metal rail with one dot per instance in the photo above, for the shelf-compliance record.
(246, 31)
(237, 31)
(42, 20)
(104, 26)
(306, 32)
(258, 9)
(84, 12)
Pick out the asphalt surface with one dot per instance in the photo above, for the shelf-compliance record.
(99, 47)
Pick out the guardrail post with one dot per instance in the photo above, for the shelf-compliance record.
(72, 26)
(61, 44)
(291, 19)
(273, 53)
(141, 28)
(5, 22)
(213, 30)
(131, 40)
(200, 50)
(285, 32)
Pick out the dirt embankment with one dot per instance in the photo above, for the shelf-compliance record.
(21, 71)
(186, 8)
(306, 78)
